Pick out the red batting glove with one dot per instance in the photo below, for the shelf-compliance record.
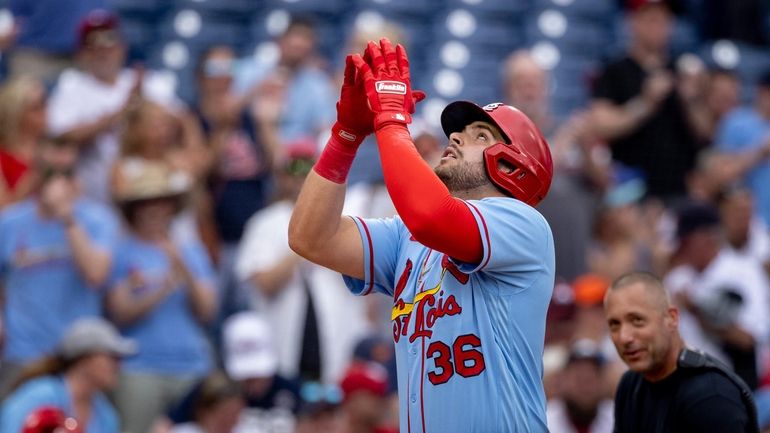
(385, 75)
(354, 123)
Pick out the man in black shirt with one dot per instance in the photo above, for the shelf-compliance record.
(664, 391)
(637, 109)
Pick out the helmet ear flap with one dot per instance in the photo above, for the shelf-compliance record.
(508, 169)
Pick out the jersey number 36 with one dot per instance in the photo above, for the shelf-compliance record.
(468, 361)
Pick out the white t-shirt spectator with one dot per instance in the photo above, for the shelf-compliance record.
(742, 274)
(341, 317)
(79, 99)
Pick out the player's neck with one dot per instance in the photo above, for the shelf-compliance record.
(477, 193)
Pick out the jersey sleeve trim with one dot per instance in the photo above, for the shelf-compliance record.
(368, 276)
(485, 240)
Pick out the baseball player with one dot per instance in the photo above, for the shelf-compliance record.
(468, 262)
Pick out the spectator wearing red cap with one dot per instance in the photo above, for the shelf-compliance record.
(364, 406)
(87, 103)
(45, 35)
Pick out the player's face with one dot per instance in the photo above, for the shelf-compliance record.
(642, 329)
(462, 164)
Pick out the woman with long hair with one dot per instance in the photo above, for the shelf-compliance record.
(22, 128)
(74, 379)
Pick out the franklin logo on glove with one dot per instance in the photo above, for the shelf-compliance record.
(393, 87)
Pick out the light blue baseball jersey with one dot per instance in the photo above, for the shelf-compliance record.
(469, 338)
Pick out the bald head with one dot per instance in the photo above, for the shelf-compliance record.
(651, 285)
(526, 84)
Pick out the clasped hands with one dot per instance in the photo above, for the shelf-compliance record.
(376, 91)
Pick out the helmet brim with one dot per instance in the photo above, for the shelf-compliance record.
(459, 114)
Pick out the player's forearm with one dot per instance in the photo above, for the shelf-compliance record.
(433, 216)
(316, 216)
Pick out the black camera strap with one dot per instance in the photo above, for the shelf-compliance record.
(689, 359)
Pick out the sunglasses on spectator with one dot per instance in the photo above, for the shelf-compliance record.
(316, 392)
(51, 172)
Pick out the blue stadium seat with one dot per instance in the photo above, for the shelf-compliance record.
(569, 34)
(140, 35)
(201, 30)
(500, 9)
(404, 8)
(329, 8)
(230, 8)
(596, 10)
(145, 8)
(497, 37)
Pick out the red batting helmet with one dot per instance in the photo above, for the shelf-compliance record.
(524, 149)
(49, 419)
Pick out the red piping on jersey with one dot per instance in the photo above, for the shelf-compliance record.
(371, 257)
(486, 234)
(433, 216)
(422, 383)
(408, 409)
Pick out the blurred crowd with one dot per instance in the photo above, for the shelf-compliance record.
(148, 285)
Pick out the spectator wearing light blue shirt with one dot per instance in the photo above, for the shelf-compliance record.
(55, 255)
(295, 83)
(74, 379)
(744, 135)
(161, 295)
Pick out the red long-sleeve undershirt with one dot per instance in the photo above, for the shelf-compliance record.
(433, 216)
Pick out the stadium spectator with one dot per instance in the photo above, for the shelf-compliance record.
(638, 109)
(57, 249)
(74, 379)
(746, 234)
(162, 294)
(723, 95)
(314, 321)
(87, 104)
(271, 401)
(243, 140)
(301, 90)
(46, 36)
(744, 136)
(365, 390)
(580, 170)
(722, 296)
(22, 128)
(626, 233)
(581, 405)
(153, 136)
(216, 408)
